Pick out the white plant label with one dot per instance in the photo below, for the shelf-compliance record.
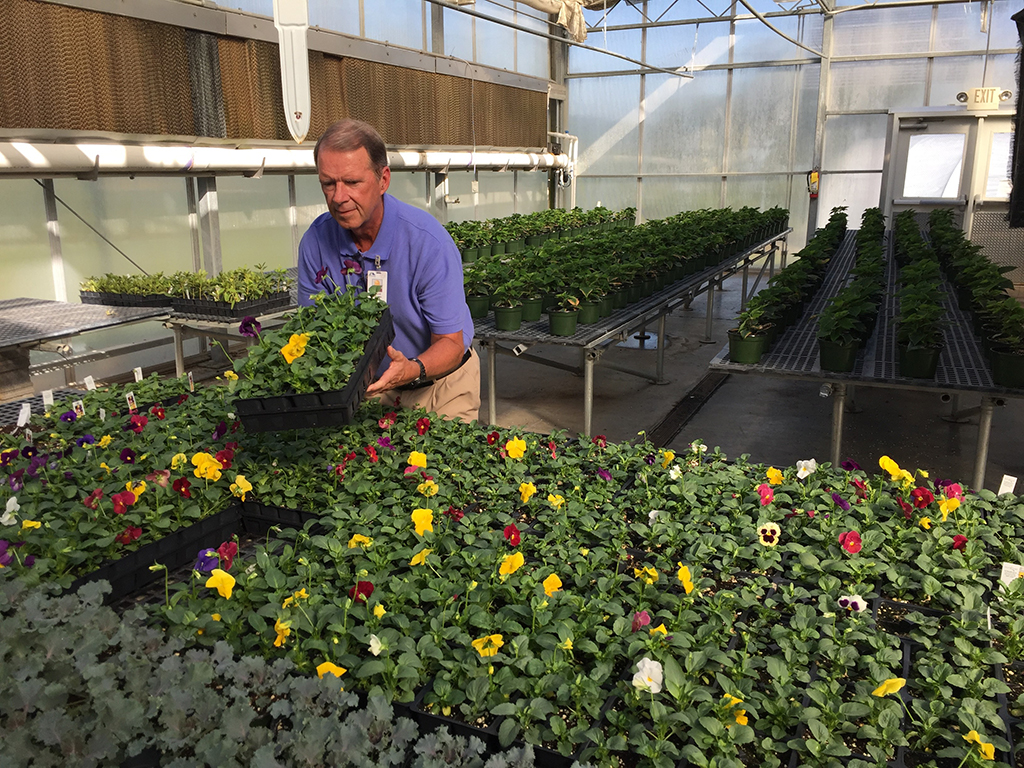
(28, 436)
(90, 383)
(138, 373)
(79, 407)
(24, 415)
(1010, 572)
(1007, 485)
(130, 397)
(191, 383)
(47, 398)
(103, 414)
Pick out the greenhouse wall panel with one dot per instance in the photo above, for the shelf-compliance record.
(760, 120)
(667, 196)
(687, 45)
(682, 122)
(25, 257)
(880, 85)
(254, 226)
(608, 138)
(949, 75)
(855, 142)
(884, 30)
(615, 194)
(337, 15)
(857, 191)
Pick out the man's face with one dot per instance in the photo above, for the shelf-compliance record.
(354, 193)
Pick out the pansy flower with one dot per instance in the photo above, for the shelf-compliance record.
(351, 267)
(6, 457)
(806, 468)
(891, 467)
(892, 685)
(605, 475)
(850, 465)
(423, 519)
(493, 438)
(515, 448)
(774, 476)
(510, 564)
(768, 534)
(922, 497)
(600, 441)
(987, 750)
(840, 502)
(420, 557)
(160, 476)
(227, 552)
(207, 560)
(454, 514)
(92, 500)
(68, 417)
(908, 509)
(683, 574)
(551, 447)
(222, 581)
(555, 500)
(512, 535)
(860, 488)
(646, 574)
(422, 425)
(649, 459)
(552, 584)
(417, 459)
(359, 541)
(428, 488)
(385, 442)
(240, 487)
(122, 501)
(852, 603)
(296, 347)
(387, 420)
(640, 620)
(661, 629)
(225, 456)
(283, 629)
(372, 453)
(328, 668)
(128, 535)
(960, 542)
(526, 491)
(951, 490)
(28, 452)
(136, 489)
(948, 505)
(361, 591)
(926, 523)
(766, 493)
(649, 676)
(128, 456)
(250, 327)
(850, 541)
(181, 486)
(137, 422)
(159, 412)
(667, 457)
(85, 440)
(320, 275)
(488, 646)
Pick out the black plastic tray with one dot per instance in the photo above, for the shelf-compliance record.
(320, 409)
(206, 309)
(131, 574)
(124, 299)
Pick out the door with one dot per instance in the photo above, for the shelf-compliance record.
(989, 204)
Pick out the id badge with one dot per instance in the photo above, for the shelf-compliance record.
(379, 278)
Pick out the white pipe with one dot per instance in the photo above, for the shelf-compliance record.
(88, 161)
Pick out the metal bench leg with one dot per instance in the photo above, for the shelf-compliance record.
(710, 313)
(588, 390)
(492, 396)
(984, 430)
(179, 353)
(660, 370)
(838, 408)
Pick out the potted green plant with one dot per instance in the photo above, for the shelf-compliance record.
(564, 314)
(749, 339)
(477, 284)
(508, 307)
(919, 332)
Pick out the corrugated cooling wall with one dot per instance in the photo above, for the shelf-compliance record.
(65, 68)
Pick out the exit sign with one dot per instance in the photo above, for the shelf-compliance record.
(983, 98)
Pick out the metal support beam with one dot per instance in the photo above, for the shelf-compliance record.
(824, 81)
(838, 409)
(293, 220)
(984, 430)
(60, 288)
(193, 223)
(209, 224)
(440, 201)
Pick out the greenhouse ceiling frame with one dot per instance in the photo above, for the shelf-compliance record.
(824, 57)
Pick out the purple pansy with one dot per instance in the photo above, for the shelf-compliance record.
(850, 465)
(85, 440)
(220, 431)
(208, 560)
(15, 480)
(320, 275)
(385, 442)
(68, 416)
(840, 502)
(250, 327)
(6, 457)
(604, 474)
(128, 456)
(30, 560)
(28, 451)
(649, 458)
(352, 267)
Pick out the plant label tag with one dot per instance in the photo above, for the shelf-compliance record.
(191, 383)
(90, 383)
(1007, 485)
(378, 278)
(1010, 572)
(130, 397)
(47, 398)
(138, 373)
(28, 436)
(103, 414)
(24, 415)
(79, 407)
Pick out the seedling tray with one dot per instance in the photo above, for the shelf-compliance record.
(124, 299)
(206, 309)
(320, 409)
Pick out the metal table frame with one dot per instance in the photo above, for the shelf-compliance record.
(962, 367)
(593, 340)
(185, 327)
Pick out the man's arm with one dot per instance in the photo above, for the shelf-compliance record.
(442, 357)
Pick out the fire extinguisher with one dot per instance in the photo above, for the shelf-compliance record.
(812, 183)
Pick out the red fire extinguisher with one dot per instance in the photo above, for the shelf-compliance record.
(812, 183)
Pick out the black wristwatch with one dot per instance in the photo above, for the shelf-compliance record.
(423, 373)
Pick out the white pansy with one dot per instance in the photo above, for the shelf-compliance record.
(8, 517)
(652, 516)
(698, 448)
(649, 675)
(375, 646)
(676, 472)
(805, 468)
(853, 603)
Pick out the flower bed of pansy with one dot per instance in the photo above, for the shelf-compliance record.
(612, 602)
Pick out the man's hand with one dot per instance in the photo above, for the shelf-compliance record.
(401, 371)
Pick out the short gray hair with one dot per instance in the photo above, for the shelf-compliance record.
(349, 134)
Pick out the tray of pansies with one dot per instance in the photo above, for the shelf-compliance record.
(314, 370)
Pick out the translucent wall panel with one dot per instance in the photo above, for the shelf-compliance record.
(532, 52)
(757, 191)
(399, 22)
(762, 118)
(854, 142)
(624, 41)
(683, 123)
(309, 201)
(799, 208)
(608, 136)
(998, 184)
(458, 35)
(882, 30)
(688, 45)
(495, 44)
(335, 15)
(857, 191)
(254, 226)
(145, 217)
(614, 194)
(667, 196)
(808, 76)
(958, 28)
(410, 187)
(953, 74)
(532, 193)
(494, 198)
(24, 244)
(883, 85)
(755, 42)
(1001, 72)
(1004, 31)
(262, 7)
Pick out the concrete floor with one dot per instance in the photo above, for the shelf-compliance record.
(772, 420)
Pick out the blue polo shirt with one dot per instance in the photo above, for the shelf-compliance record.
(425, 289)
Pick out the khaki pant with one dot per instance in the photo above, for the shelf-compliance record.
(456, 396)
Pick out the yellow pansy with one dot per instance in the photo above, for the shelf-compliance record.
(179, 460)
(327, 668)
(240, 487)
(774, 476)
(215, 616)
(741, 717)
(684, 578)
(103, 465)
(137, 489)
(988, 751)
(418, 459)
(667, 457)
(647, 574)
(488, 646)
(300, 595)
(105, 441)
(25, 524)
(515, 448)
(526, 491)
(890, 466)
(428, 488)
(925, 522)
(283, 629)
(420, 557)
(230, 375)
(206, 466)
(892, 685)
(378, 611)
(555, 500)
(423, 519)
(358, 540)
(731, 701)
(948, 505)
(552, 584)
(510, 564)
(567, 645)
(659, 629)
(222, 581)
(296, 347)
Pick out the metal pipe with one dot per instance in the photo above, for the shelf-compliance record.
(984, 430)
(492, 410)
(778, 31)
(660, 369)
(838, 409)
(588, 391)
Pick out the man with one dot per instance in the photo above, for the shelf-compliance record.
(367, 236)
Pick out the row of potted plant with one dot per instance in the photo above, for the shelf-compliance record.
(586, 278)
(511, 234)
(920, 315)
(601, 599)
(781, 303)
(982, 289)
(848, 319)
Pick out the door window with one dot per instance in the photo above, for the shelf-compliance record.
(934, 165)
(999, 167)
